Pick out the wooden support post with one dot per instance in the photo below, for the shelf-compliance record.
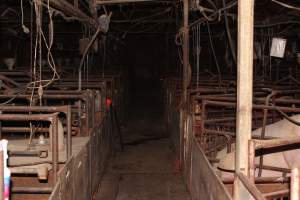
(244, 91)
(1, 174)
(251, 169)
(295, 183)
(185, 47)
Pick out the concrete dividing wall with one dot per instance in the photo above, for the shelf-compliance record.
(204, 183)
(198, 174)
(81, 175)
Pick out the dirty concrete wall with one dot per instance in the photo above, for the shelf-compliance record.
(80, 177)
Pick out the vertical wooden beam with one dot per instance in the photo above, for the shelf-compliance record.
(251, 158)
(295, 183)
(244, 91)
(1, 173)
(185, 47)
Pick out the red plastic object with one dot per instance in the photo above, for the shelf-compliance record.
(108, 102)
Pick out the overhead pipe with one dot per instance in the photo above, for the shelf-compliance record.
(69, 9)
(73, 11)
(102, 26)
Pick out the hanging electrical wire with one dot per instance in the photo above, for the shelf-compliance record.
(203, 11)
(25, 29)
(286, 5)
(232, 46)
(40, 37)
(193, 45)
(215, 13)
(198, 49)
(84, 55)
(103, 26)
(143, 19)
(37, 78)
(103, 55)
(37, 15)
(214, 54)
(140, 21)
(37, 8)
(270, 34)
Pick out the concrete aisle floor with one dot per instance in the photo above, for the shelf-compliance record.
(145, 169)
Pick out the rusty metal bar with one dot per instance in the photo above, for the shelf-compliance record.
(65, 109)
(23, 129)
(4, 78)
(250, 187)
(30, 153)
(81, 96)
(265, 118)
(46, 96)
(69, 132)
(283, 101)
(255, 106)
(31, 190)
(225, 97)
(213, 121)
(277, 194)
(24, 117)
(52, 118)
(34, 108)
(216, 132)
(261, 180)
(227, 133)
(259, 144)
(272, 168)
(54, 121)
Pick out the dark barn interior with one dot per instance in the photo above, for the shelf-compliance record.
(149, 99)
